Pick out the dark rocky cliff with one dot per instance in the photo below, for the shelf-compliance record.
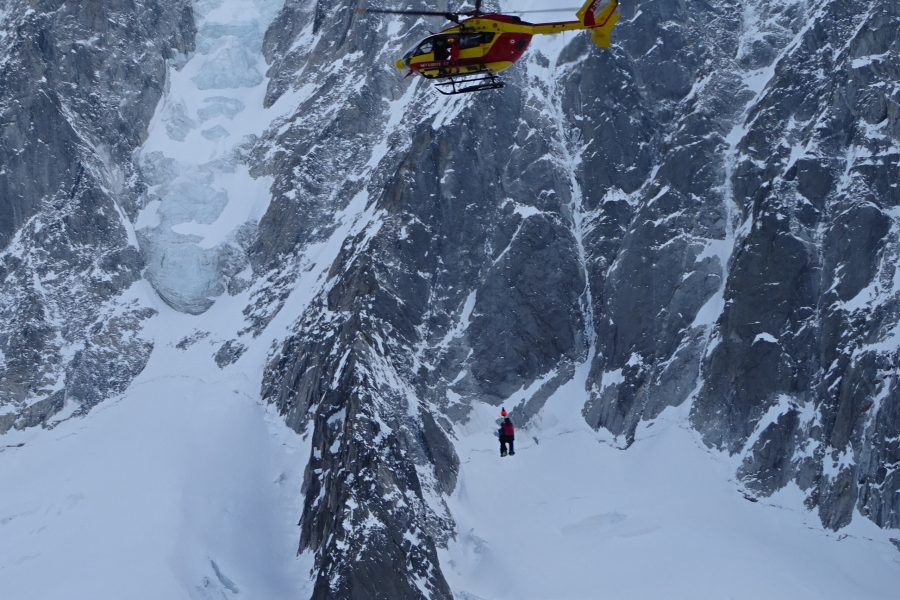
(79, 83)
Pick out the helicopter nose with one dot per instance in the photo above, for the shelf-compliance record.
(400, 64)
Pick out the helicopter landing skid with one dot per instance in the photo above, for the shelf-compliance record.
(472, 82)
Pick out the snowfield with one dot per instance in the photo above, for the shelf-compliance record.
(187, 488)
(572, 516)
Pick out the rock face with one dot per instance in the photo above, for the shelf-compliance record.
(706, 214)
(802, 378)
(78, 85)
(701, 213)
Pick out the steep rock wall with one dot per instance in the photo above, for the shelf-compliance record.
(78, 85)
(663, 210)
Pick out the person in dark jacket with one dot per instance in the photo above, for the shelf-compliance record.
(507, 436)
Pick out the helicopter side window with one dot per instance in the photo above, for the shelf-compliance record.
(424, 48)
(473, 40)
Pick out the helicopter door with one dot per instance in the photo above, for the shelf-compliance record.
(441, 48)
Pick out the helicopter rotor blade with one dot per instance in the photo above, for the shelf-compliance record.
(542, 10)
(383, 11)
(425, 13)
(454, 16)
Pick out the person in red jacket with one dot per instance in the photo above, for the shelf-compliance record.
(507, 436)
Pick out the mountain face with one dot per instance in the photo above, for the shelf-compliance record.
(705, 215)
(79, 84)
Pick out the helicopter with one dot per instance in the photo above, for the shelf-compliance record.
(466, 57)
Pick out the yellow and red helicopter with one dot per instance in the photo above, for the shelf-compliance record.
(467, 56)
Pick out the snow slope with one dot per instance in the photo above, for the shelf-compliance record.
(572, 516)
(186, 487)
